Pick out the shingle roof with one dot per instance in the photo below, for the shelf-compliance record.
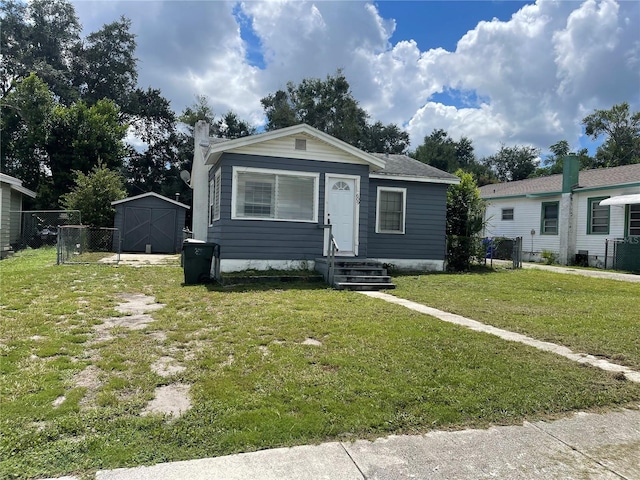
(599, 177)
(402, 165)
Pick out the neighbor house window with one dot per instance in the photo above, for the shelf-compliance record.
(507, 214)
(634, 220)
(549, 218)
(391, 210)
(214, 198)
(598, 217)
(275, 195)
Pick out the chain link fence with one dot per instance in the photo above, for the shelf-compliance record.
(83, 244)
(504, 248)
(624, 254)
(38, 228)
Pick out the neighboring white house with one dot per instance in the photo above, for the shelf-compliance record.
(11, 193)
(567, 214)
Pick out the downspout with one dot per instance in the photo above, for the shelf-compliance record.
(200, 181)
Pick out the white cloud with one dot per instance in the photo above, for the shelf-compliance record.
(531, 78)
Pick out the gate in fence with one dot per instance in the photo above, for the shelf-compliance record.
(83, 244)
(503, 248)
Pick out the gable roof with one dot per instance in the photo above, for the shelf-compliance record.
(217, 147)
(151, 194)
(403, 167)
(16, 185)
(588, 179)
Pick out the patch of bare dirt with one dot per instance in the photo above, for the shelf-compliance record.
(172, 400)
(167, 366)
(312, 341)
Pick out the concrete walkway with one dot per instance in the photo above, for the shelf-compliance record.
(624, 277)
(584, 446)
(630, 374)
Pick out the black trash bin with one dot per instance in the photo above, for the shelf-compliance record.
(196, 261)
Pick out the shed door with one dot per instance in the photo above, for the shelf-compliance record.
(342, 212)
(153, 226)
(137, 225)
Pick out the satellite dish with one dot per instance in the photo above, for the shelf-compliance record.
(186, 177)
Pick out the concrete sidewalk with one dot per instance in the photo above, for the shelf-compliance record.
(583, 446)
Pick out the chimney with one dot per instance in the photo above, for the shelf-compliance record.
(570, 173)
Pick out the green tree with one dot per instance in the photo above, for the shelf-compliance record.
(93, 193)
(553, 163)
(329, 106)
(81, 137)
(513, 163)
(40, 36)
(438, 150)
(621, 130)
(105, 66)
(27, 113)
(465, 212)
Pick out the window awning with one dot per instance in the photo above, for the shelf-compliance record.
(622, 200)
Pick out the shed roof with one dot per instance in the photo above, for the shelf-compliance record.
(591, 179)
(407, 168)
(150, 194)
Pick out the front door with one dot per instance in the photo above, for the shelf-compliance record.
(341, 211)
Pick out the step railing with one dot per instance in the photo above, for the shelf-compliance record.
(331, 254)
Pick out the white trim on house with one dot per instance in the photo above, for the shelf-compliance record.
(150, 194)
(244, 144)
(240, 265)
(356, 213)
(408, 178)
(411, 264)
(403, 191)
(284, 173)
(16, 185)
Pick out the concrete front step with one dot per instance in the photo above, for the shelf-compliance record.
(357, 274)
(367, 286)
(362, 278)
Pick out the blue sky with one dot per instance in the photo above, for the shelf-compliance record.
(496, 72)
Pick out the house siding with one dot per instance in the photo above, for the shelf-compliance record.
(593, 243)
(526, 217)
(527, 212)
(279, 240)
(425, 223)
(5, 218)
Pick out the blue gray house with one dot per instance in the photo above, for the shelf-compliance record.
(268, 201)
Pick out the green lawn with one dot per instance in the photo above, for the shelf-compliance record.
(380, 368)
(589, 315)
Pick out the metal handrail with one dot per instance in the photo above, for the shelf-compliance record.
(331, 254)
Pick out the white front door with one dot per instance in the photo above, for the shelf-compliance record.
(341, 211)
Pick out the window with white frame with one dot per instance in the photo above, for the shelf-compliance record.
(263, 194)
(507, 214)
(214, 198)
(391, 210)
(598, 217)
(549, 218)
(634, 220)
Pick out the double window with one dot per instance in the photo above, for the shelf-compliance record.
(262, 194)
(214, 198)
(549, 218)
(390, 210)
(597, 217)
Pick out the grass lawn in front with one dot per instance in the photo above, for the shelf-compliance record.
(589, 315)
(255, 380)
